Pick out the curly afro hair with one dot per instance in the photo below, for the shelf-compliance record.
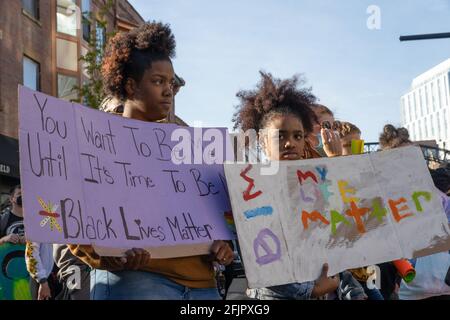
(130, 54)
(274, 97)
(347, 128)
(393, 137)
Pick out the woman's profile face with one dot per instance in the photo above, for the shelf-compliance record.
(155, 91)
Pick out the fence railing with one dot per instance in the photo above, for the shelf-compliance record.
(434, 154)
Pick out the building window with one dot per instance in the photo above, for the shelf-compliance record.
(433, 98)
(66, 85)
(425, 128)
(419, 104)
(410, 110)
(31, 74)
(446, 134)
(416, 110)
(66, 17)
(86, 16)
(439, 93)
(31, 7)
(432, 126)
(438, 122)
(67, 55)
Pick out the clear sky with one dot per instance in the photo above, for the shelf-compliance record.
(359, 73)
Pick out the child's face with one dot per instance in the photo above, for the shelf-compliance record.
(291, 138)
(155, 91)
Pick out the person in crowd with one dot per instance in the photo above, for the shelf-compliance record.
(348, 132)
(138, 71)
(322, 117)
(40, 266)
(282, 106)
(11, 221)
(431, 271)
(73, 274)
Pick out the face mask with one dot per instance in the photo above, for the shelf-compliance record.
(19, 201)
(319, 138)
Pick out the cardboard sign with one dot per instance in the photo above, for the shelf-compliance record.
(89, 177)
(348, 212)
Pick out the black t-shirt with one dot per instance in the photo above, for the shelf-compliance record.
(389, 277)
(13, 226)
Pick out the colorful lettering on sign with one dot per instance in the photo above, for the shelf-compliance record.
(377, 210)
(263, 211)
(307, 175)
(304, 197)
(357, 214)
(344, 190)
(326, 194)
(262, 242)
(251, 184)
(417, 195)
(323, 171)
(337, 218)
(313, 216)
(393, 204)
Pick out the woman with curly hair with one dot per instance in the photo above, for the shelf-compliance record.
(137, 70)
(393, 137)
(281, 112)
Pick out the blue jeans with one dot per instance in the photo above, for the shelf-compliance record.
(372, 294)
(140, 285)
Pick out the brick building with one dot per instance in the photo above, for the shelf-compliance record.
(41, 42)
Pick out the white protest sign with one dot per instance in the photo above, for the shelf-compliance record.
(348, 212)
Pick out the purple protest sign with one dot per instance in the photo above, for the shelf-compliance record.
(93, 178)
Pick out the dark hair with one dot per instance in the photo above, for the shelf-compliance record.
(13, 189)
(130, 54)
(274, 97)
(441, 179)
(346, 128)
(392, 137)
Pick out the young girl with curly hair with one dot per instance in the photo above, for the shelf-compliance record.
(285, 108)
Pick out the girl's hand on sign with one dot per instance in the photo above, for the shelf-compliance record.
(135, 258)
(325, 284)
(331, 143)
(222, 252)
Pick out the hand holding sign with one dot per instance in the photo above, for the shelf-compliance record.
(324, 284)
(222, 252)
(135, 258)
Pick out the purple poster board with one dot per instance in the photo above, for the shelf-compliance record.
(89, 177)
